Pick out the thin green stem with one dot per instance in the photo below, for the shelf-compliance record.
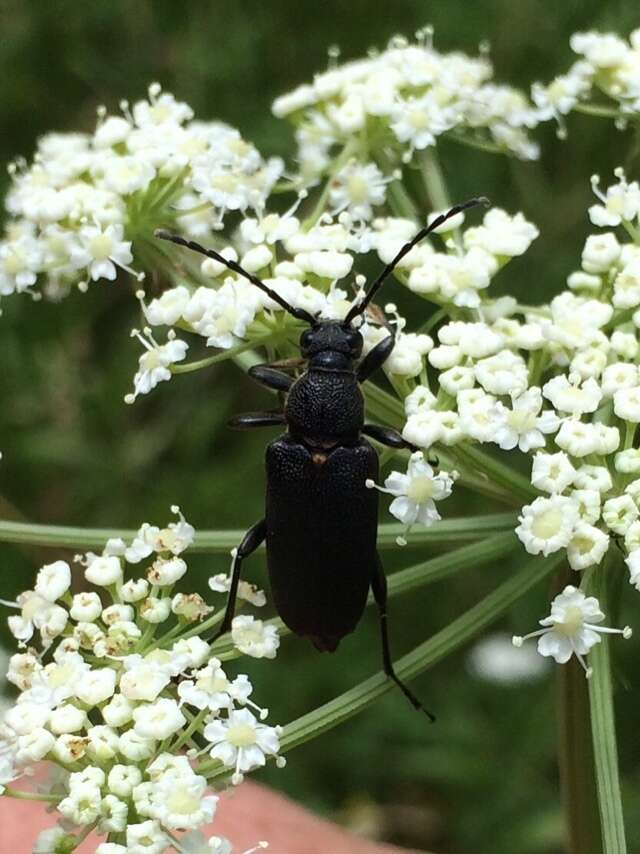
(29, 796)
(187, 367)
(220, 542)
(434, 181)
(476, 142)
(341, 160)
(603, 725)
(603, 111)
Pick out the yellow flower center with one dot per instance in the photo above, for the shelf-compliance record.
(547, 524)
(421, 489)
(572, 622)
(241, 735)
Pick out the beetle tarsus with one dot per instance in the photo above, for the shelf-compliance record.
(379, 588)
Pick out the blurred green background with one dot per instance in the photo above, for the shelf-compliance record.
(484, 779)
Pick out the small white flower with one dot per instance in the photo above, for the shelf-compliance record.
(416, 492)
(53, 580)
(600, 253)
(165, 573)
(123, 779)
(96, 686)
(101, 250)
(593, 477)
(552, 473)
(221, 583)
(154, 364)
(626, 404)
(587, 547)
(621, 202)
(155, 610)
(118, 711)
(571, 628)
(547, 525)
(618, 513)
(158, 720)
(241, 742)
(143, 680)
(104, 571)
(523, 425)
(134, 590)
(356, 188)
(254, 637)
(135, 747)
(67, 718)
(501, 234)
(85, 607)
(571, 397)
(146, 838)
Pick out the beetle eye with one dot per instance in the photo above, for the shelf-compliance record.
(306, 338)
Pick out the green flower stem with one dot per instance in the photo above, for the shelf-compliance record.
(476, 142)
(428, 572)
(514, 483)
(29, 796)
(603, 111)
(575, 754)
(196, 721)
(343, 158)
(221, 542)
(187, 367)
(446, 641)
(434, 182)
(603, 725)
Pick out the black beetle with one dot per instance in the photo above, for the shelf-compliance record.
(321, 521)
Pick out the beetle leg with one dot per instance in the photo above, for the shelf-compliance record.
(272, 378)
(392, 439)
(252, 539)
(379, 588)
(256, 419)
(376, 357)
(387, 436)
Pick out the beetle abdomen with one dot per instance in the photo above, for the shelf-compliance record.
(321, 536)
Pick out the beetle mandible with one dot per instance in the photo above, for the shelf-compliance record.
(320, 524)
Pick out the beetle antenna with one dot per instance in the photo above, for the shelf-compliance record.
(298, 313)
(360, 307)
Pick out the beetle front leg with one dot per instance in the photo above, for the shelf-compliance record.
(271, 377)
(379, 588)
(376, 357)
(254, 537)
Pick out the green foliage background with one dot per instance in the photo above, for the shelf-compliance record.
(484, 778)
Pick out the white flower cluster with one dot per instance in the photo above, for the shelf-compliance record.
(113, 703)
(608, 65)
(88, 204)
(402, 99)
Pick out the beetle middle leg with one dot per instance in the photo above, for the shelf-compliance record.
(379, 588)
(254, 537)
(247, 420)
(392, 439)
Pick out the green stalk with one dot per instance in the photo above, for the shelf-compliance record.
(575, 755)
(29, 796)
(446, 641)
(187, 367)
(433, 178)
(221, 542)
(603, 726)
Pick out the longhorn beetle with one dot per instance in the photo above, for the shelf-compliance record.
(321, 521)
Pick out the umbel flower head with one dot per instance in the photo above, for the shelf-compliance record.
(125, 707)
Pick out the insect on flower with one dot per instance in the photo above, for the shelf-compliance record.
(321, 520)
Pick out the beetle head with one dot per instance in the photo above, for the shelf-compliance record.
(331, 343)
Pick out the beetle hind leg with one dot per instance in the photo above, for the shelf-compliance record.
(254, 537)
(379, 588)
